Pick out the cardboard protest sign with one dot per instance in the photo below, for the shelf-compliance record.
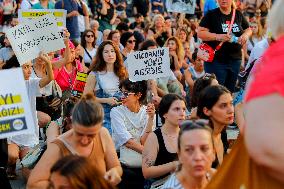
(79, 84)
(149, 64)
(181, 6)
(59, 14)
(15, 110)
(28, 39)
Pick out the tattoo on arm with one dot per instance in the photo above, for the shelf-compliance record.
(148, 160)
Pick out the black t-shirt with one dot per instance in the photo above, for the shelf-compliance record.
(217, 22)
(142, 6)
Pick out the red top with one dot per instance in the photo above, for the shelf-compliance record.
(268, 75)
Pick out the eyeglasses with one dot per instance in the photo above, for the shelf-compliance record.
(131, 41)
(192, 123)
(126, 93)
(89, 36)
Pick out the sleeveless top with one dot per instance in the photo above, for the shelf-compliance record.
(163, 155)
(97, 155)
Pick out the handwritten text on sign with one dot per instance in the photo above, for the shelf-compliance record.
(36, 35)
(181, 6)
(59, 14)
(150, 64)
(15, 113)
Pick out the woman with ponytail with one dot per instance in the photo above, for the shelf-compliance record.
(87, 138)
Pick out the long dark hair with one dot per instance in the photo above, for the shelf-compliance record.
(100, 65)
(166, 103)
(83, 40)
(208, 98)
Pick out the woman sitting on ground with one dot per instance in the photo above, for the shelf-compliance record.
(216, 104)
(159, 158)
(131, 123)
(87, 138)
(196, 154)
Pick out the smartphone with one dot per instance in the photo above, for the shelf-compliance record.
(150, 97)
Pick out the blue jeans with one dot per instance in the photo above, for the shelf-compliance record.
(107, 108)
(226, 72)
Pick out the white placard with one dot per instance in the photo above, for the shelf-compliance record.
(59, 14)
(41, 34)
(181, 6)
(15, 110)
(149, 64)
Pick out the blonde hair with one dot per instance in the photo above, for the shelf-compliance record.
(179, 50)
(259, 33)
(276, 19)
(155, 19)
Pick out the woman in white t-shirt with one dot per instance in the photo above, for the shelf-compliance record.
(106, 72)
(131, 124)
(88, 43)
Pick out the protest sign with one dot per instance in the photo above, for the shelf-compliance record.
(79, 84)
(149, 64)
(181, 6)
(59, 14)
(28, 39)
(15, 110)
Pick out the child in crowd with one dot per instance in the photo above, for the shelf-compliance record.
(19, 145)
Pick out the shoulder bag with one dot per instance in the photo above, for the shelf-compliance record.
(206, 52)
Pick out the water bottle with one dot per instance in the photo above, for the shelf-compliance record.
(234, 39)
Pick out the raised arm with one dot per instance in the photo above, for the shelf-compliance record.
(49, 76)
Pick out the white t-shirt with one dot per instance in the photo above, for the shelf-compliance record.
(172, 183)
(47, 90)
(109, 82)
(258, 51)
(126, 124)
(32, 139)
(92, 53)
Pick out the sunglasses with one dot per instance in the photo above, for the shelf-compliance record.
(192, 123)
(131, 41)
(126, 94)
(89, 36)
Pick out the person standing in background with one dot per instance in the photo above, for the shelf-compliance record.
(74, 9)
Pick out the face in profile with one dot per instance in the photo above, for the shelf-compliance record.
(196, 152)
(58, 181)
(176, 112)
(223, 111)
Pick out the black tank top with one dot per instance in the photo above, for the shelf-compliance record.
(163, 155)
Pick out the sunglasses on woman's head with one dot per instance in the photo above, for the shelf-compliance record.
(198, 122)
(207, 76)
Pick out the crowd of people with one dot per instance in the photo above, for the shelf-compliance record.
(168, 132)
